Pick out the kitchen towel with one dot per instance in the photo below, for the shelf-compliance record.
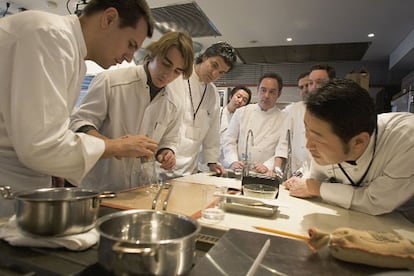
(10, 233)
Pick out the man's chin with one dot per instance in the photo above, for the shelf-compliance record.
(320, 161)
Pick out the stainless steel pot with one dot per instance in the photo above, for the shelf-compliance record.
(55, 211)
(147, 242)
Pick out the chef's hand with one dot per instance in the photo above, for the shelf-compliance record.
(303, 188)
(237, 165)
(130, 146)
(260, 168)
(217, 168)
(167, 159)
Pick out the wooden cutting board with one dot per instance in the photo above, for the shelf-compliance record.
(186, 198)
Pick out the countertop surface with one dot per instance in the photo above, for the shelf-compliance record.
(294, 215)
(188, 196)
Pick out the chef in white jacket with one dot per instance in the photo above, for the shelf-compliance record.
(318, 75)
(360, 160)
(267, 124)
(200, 129)
(42, 67)
(136, 100)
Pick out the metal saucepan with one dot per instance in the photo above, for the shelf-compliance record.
(55, 211)
(147, 242)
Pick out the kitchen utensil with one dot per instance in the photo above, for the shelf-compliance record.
(281, 233)
(248, 205)
(259, 258)
(147, 242)
(55, 211)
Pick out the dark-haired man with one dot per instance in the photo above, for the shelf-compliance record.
(200, 139)
(43, 65)
(360, 162)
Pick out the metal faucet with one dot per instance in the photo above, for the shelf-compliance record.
(247, 157)
(287, 172)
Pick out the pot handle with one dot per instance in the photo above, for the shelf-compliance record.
(6, 192)
(146, 251)
(107, 195)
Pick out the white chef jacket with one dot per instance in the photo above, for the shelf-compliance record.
(199, 135)
(389, 182)
(300, 154)
(42, 68)
(118, 104)
(267, 126)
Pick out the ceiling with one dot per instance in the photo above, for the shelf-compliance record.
(322, 30)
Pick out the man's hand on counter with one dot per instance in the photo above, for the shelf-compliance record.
(217, 168)
(303, 188)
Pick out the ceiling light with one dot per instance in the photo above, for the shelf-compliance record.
(371, 35)
(289, 39)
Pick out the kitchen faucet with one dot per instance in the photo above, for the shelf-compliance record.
(287, 172)
(247, 157)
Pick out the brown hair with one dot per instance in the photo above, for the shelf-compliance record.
(181, 41)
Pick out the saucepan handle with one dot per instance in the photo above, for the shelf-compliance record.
(147, 251)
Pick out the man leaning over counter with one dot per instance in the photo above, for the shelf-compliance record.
(360, 161)
(136, 100)
(43, 65)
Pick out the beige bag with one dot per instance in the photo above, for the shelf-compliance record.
(382, 249)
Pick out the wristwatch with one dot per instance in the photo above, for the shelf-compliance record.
(278, 171)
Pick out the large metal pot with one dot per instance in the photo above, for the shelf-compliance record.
(55, 211)
(147, 242)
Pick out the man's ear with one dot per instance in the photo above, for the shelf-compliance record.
(361, 140)
(108, 18)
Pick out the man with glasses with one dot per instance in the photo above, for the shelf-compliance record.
(200, 139)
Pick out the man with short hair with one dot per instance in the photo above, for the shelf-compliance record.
(320, 74)
(200, 139)
(136, 100)
(361, 161)
(43, 65)
(307, 83)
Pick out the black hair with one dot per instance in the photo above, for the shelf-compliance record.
(302, 75)
(346, 106)
(219, 49)
(130, 12)
(329, 69)
(275, 76)
(241, 87)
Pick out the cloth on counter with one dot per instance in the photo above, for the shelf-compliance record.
(382, 249)
(10, 233)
